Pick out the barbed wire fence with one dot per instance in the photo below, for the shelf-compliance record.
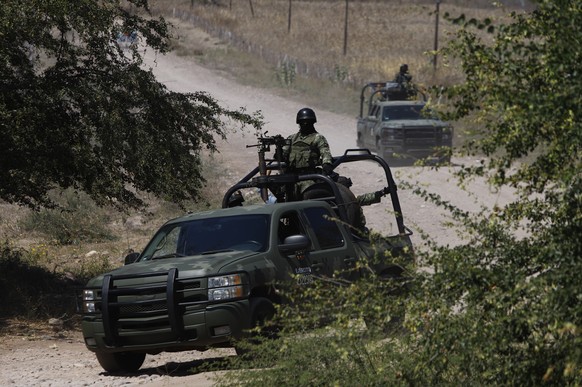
(272, 57)
(285, 64)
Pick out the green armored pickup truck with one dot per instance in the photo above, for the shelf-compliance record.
(205, 278)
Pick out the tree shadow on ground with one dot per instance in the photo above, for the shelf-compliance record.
(182, 369)
(32, 292)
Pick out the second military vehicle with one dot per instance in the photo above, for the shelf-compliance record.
(398, 125)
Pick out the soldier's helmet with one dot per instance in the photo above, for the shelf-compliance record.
(306, 115)
(404, 68)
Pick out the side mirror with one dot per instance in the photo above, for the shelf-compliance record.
(131, 258)
(294, 243)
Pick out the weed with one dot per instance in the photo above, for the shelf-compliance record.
(340, 74)
(78, 219)
(286, 73)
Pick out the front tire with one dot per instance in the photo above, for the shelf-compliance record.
(261, 311)
(120, 361)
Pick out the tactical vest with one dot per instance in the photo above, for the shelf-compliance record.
(305, 152)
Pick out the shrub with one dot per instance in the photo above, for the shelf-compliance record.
(31, 291)
(286, 73)
(77, 219)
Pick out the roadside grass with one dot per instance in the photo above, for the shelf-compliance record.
(381, 36)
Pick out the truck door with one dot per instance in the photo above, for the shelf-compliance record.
(298, 263)
(371, 123)
(332, 253)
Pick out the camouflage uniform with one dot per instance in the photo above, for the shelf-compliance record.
(369, 198)
(365, 200)
(404, 79)
(304, 153)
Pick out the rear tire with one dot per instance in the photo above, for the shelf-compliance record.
(120, 361)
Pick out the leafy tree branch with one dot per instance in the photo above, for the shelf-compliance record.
(78, 109)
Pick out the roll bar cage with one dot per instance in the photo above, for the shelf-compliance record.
(257, 178)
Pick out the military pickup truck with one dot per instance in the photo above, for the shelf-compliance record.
(399, 126)
(206, 278)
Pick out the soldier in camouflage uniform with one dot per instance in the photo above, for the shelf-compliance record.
(403, 77)
(307, 151)
(364, 200)
(404, 80)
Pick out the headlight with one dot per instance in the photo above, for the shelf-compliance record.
(225, 287)
(389, 134)
(89, 295)
(225, 280)
(89, 307)
(447, 133)
(89, 298)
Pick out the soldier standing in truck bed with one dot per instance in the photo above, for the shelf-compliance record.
(404, 80)
(307, 151)
(363, 200)
(403, 77)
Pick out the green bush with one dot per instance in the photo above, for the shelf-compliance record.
(332, 332)
(500, 311)
(77, 219)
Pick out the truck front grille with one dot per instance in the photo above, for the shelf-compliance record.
(137, 303)
(137, 309)
(431, 136)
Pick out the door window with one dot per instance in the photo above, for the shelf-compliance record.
(326, 230)
(289, 224)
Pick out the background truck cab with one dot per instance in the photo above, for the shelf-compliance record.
(400, 125)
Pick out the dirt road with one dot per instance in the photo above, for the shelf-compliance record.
(51, 360)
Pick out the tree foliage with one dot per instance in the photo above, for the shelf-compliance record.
(504, 308)
(77, 109)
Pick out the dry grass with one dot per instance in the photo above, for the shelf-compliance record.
(381, 35)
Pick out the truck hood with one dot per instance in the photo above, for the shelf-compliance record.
(190, 267)
(413, 123)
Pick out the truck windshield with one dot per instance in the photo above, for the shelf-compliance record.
(404, 112)
(210, 236)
